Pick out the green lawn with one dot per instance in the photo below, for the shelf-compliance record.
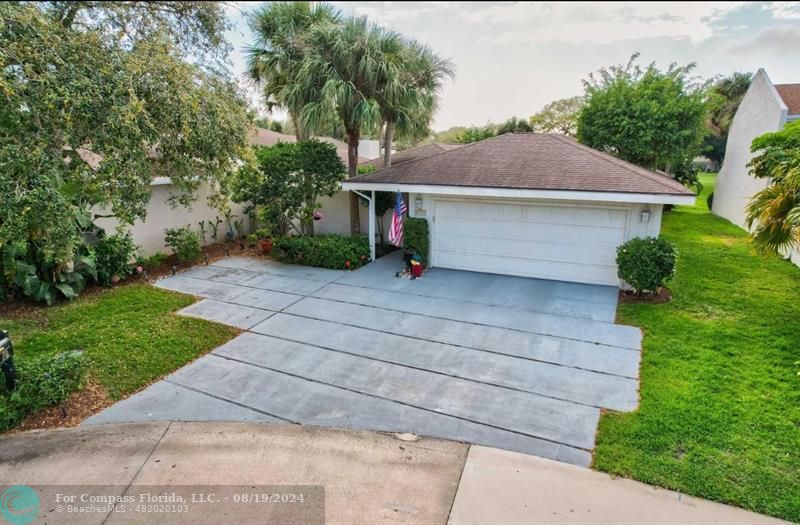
(720, 396)
(130, 333)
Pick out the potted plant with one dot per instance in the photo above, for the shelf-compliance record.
(264, 235)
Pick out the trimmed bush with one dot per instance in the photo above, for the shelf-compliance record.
(184, 242)
(42, 382)
(646, 263)
(113, 255)
(416, 237)
(323, 251)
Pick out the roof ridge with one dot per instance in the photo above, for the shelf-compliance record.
(406, 163)
(649, 174)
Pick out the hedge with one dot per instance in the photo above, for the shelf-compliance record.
(416, 237)
(323, 251)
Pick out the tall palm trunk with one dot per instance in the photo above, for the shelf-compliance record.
(388, 139)
(299, 132)
(353, 137)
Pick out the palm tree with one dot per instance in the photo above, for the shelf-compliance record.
(409, 101)
(773, 213)
(346, 66)
(274, 61)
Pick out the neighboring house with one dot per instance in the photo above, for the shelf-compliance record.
(765, 107)
(531, 205)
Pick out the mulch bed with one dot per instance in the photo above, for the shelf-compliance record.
(664, 295)
(80, 405)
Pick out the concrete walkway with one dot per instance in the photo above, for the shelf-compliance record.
(521, 364)
(368, 478)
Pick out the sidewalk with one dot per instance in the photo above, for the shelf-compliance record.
(368, 477)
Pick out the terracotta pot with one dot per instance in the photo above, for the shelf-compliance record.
(266, 245)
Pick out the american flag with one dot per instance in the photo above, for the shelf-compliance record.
(396, 232)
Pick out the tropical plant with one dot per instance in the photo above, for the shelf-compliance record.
(288, 181)
(410, 95)
(202, 225)
(773, 214)
(514, 125)
(346, 65)
(184, 243)
(646, 263)
(559, 116)
(275, 60)
(652, 118)
(476, 134)
(215, 227)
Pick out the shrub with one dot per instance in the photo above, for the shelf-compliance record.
(42, 382)
(646, 263)
(416, 237)
(324, 251)
(710, 200)
(113, 254)
(150, 262)
(184, 242)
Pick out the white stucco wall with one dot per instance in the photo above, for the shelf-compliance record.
(761, 111)
(336, 216)
(149, 234)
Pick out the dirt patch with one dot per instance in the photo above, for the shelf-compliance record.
(80, 405)
(664, 295)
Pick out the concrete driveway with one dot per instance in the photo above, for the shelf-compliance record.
(519, 364)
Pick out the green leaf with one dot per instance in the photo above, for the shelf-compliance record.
(67, 290)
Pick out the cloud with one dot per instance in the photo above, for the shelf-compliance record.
(779, 40)
(783, 10)
(597, 22)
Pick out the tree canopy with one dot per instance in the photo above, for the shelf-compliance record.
(649, 117)
(559, 116)
(288, 180)
(89, 116)
(773, 213)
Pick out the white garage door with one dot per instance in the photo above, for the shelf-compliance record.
(562, 242)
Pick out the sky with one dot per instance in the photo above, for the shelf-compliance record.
(512, 58)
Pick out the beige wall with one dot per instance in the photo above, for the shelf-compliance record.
(149, 234)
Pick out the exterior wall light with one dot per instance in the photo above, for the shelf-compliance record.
(645, 215)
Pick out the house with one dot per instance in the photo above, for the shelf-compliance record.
(765, 107)
(529, 204)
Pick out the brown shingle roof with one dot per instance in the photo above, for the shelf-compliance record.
(419, 152)
(790, 93)
(528, 161)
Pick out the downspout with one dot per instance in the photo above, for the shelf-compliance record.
(371, 200)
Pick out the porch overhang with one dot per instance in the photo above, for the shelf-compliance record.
(518, 193)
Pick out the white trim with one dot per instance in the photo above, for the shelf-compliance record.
(597, 196)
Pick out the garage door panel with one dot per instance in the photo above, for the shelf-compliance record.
(487, 228)
(563, 242)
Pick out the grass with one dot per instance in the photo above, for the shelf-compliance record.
(130, 334)
(720, 395)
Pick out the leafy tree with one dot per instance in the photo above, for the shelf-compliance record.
(288, 181)
(265, 123)
(559, 116)
(476, 134)
(725, 95)
(653, 118)
(275, 61)
(514, 125)
(773, 214)
(89, 116)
